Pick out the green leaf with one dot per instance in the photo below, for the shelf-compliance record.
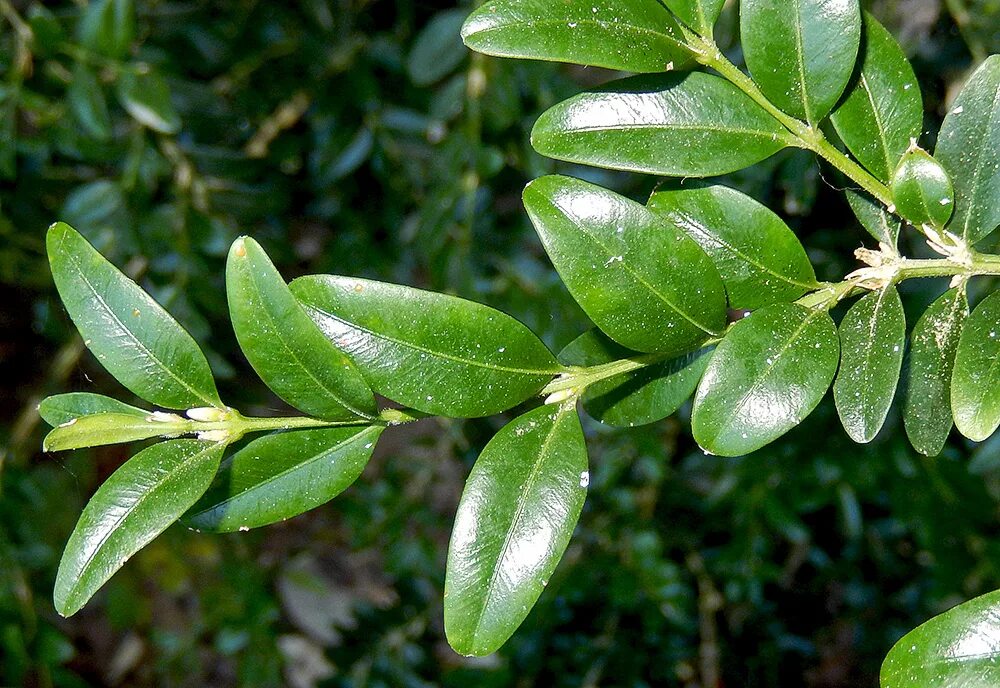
(882, 110)
(437, 50)
(801, 52)
(63, 408)
(975, 394)
(516, 516)
(969, 148)
(765, 377)
(681, 125)
(435, 353)
(700, 15)
(875, 218)
(104, 428)
(636, 397)
(758, 257)
(108, 27)
(633, 36)
(146, 97)
(137, 503)
(872, 338)
(933, 343)
(922, 190)
(286, 348)
(283, 475)
(646, 284)
(131, 335)
(957, 649)
(87, 102)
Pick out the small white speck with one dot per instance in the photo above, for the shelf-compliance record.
(368, 446)
(585, 479)
(895, 348)
(907, 87)
(244, 529)
(502, 349)
(71, 421)
(945, 201)
(959, 110)
(430, 398)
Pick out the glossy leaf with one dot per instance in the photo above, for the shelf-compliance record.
(700, 15)
(286, 348)
(636, 397)
(131, 335)
(801, 52)
(516, 516)
(969, 148)
(280, 476)
(766, 376)
(681, 125)
(88, 104)
(62, 408)
(758, 257)
(875, 218)
(633, 36)
(882, 110)
(146, 97)
(104, 428)
(436, 353)
(922, 190)
(933, 343)
(975, 383)
(643, 282)
(957, 649)
(138, 502)
(872, 338)
(108, 27)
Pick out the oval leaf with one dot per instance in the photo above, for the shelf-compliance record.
(643, 282)
(132, 336)
(681, 125)
(637, 397)
(137, 503)
(765, 377)
(63, 408)
(975, 384)
(801, 52)
(758, 257)
(285, 346)
(700, 15)
(633, 36)
(957, 649)
(922, 190)
(85, 98)
(969, 148)
(435, 353)
(933, 343)
(872, 337)
(516, 516)
(283, 475)
(108, 27)
(146, 97)
(882, 110)
(437, 50)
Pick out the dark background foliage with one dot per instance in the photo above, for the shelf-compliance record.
(359, 137)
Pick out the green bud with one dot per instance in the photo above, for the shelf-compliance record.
(107, 428)
(922, 190)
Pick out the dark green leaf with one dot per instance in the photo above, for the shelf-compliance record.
(801, 52)
(633, 36)
(922, 190)
(146, 97)
(765, 377)
(63, 408)
(700, 15)
(758, 257)
(131, 335)
(279, 476)
(681, 125)
(285, 346)
(872, 337)
(933, 343)
(516, 516)
(957, 649)
(108, 27)
(975, 392)
(435, 353)
(137, 503)
(969, 148)
(882, 110)
(85, 97)
(875, 218)
(637, 397)
(646, 284)
(438, 48)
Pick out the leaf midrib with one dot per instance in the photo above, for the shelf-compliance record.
(547, 23)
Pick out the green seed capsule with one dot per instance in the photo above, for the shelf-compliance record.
(921, 189)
